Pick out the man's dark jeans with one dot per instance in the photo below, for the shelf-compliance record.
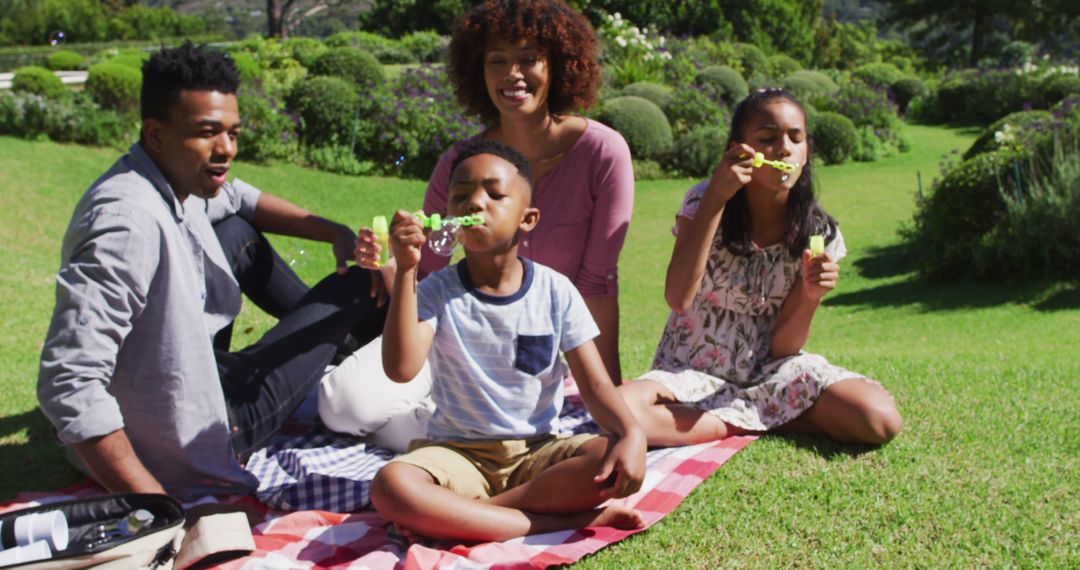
(265, 382)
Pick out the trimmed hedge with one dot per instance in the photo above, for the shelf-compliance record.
(65, 60)
(723, 84)
(38, 80)
(327, 107)
(689, 108)
(754, 61)
(907, 89)
(782, 65)
(349, 63)
(116, 87)
(655, 92)
(697, 152)
(1025, 127)
(879, 74)
(640, 122)
(834, 137)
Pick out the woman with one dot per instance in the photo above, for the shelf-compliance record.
(523, 67)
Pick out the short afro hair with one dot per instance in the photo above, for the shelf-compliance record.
(495, 148)
(564, 36)
(185, 68)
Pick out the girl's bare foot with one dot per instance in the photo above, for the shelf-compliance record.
(618, 516)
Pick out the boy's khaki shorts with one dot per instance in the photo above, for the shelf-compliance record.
(484, 468)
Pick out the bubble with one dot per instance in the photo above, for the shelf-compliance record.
(299, 259)
(443, 240)
(57, 37)
(399, 161)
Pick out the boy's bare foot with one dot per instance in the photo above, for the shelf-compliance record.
(620, 517)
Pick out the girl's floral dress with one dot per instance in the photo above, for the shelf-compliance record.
(715, 355)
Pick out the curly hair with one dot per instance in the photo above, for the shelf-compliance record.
(185, 68)
(803, 216)
(564, 36)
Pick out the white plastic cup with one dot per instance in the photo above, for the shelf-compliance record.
(50, 526)
(29, 553)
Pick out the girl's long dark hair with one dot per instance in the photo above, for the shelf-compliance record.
(803, 217)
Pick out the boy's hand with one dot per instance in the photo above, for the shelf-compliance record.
(626, 458)
(733, 172)
(819, 275)
(406, 239)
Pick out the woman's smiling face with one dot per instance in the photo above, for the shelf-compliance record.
(517, 77)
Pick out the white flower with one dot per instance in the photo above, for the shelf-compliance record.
(660, 41)
(619, 40)
(617, 16)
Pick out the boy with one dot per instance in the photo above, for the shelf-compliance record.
(494, 468)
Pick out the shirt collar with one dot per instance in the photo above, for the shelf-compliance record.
(144, 165)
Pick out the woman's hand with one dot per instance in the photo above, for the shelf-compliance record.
(819, 275)
(343, 242)
(367, 251)
(406, 239)
(733, 172)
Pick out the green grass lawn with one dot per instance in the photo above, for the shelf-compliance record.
(985, 473)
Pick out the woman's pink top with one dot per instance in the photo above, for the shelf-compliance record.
(585, 205)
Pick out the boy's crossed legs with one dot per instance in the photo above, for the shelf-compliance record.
(497, 490)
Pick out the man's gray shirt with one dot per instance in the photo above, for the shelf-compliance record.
(143, 286)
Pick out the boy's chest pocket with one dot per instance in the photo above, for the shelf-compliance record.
(533, 353)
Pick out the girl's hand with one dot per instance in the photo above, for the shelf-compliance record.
(734, 171)
(406, 239)
(819, 275)
(367, 250)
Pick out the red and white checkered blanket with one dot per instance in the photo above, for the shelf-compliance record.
(319, 539)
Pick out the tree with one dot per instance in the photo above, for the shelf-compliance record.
(282, 16)
(1035, 21)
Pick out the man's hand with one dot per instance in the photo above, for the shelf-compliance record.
(626, 458)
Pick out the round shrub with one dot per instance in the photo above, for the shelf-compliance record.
(1056, 87)
(689, 108)
(305, 50)
(782, 65)
(754, 61)
(246, 66)
(385, 50)
(659, 94)
(327, 108)
(115, 87)
(132, 59)
(879, 74)
(65, 60)
(906, 89)
(800, 86)
(268, 133)
(425, 47)
(38, 80)
(722, 84)
(823, 84)
(349, 63)
(1025, 128)
(834, 137)
(697, 151)
(640, 122)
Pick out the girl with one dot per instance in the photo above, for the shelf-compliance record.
(743, 288)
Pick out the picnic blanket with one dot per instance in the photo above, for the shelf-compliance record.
(320, 539)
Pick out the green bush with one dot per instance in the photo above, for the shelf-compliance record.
(906, 89)
(984, 95)
(69, 119)
(304, 50)
(782, 65)
(65, 60)
(425, 47)
(132, 59)
(754, 61)
(38, 80)
(268, 133)
(870, 146)
(697, 151)
(1025, 129)
(1038, 235)
(834, 137)
(350, 63)
(340, 159)
(1017, 53)
(328, 110)
(690, 107)
(385, 50)
(961, 209)
(648, 170)
(1057, 86)
(722, 84)
(882, 75)
(810, 86)
(115, 87)
(659, 94)
(246, 66)
(640, 122)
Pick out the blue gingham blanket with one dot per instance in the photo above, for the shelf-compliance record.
(327, 471)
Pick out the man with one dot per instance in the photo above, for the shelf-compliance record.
(153, 264)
